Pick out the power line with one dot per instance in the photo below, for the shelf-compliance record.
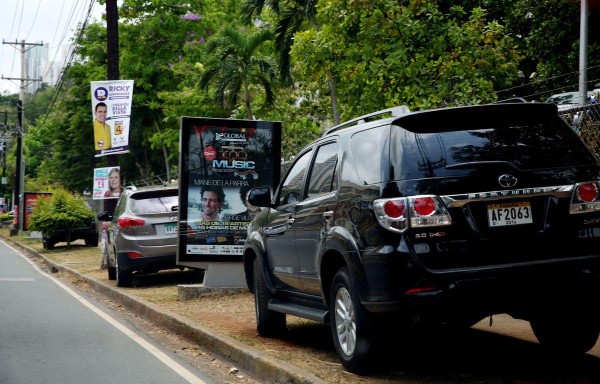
(60, 83)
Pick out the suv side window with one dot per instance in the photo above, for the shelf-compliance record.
(322, 178)
(291, 188)
(370, 151)
(120, 208)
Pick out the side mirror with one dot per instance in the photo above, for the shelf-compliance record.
(260, 197)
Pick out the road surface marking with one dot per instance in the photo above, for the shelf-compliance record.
(175, 366)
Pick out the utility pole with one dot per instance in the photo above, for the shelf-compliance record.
(20, 166)
(5, 138)
(583, 57)
(112, 49)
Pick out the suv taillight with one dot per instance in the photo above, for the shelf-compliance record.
(585, 197)
(131, 223)
(400, 213)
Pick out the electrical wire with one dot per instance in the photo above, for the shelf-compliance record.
(37, 10)
(57, 89)
(14, 19)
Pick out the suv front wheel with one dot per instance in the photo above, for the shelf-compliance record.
(268, 323)
(353, 331)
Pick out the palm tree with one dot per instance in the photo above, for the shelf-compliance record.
(237, 67)
(292, 17)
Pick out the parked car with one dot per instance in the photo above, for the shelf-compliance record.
(442, 217)
(141, 236)
(88, 233)
(568, 100)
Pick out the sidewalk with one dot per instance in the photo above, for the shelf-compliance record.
(258, 363)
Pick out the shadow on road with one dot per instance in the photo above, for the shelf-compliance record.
(168, 278)
(468, 356)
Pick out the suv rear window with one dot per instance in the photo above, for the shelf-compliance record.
(146, 203)
(447, 144)
(526, 147)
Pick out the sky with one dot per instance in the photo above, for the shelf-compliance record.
(38, 21)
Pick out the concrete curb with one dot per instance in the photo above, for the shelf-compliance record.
(259, 364)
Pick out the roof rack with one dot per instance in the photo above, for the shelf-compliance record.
(394, 111)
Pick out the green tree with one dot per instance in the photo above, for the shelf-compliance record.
(547, 34)
(238, 69)
(292, 17)
(385, 53)
(62, 211)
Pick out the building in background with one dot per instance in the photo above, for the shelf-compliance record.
(41, 63)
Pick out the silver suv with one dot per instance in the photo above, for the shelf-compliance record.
(142, 234)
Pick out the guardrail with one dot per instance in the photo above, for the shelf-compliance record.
(585, 120)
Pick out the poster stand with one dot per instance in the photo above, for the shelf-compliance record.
(227, 275)
(220, 161)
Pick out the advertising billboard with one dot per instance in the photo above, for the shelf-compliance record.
(31, 201)
(220, 160)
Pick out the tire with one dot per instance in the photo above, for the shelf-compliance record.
(124, 277)
(112, 271)
(566, 335)
(268, 323)
(91, 241)
(49, 244)
(353, 332)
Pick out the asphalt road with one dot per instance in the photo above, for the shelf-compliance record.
(506, 353)
(51, 333)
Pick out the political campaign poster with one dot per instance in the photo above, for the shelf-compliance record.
(111, 111)
(220, 160)
(107, 183)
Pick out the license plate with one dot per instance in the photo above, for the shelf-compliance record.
(509, 214)
(170, 229)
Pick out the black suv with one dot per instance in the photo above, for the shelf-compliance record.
(439, 218)
(88, 233)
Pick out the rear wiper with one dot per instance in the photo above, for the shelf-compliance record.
(480, 164)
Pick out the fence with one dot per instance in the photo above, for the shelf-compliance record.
(585, 120)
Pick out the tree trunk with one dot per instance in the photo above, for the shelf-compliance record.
(68, 237)
(249, 114)
(334, 100)
(165, 154)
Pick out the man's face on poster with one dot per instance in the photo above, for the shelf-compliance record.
(210, 205)
(101, 113)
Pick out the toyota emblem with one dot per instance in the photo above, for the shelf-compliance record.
(507, 180)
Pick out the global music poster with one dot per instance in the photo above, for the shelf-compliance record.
(220, 161)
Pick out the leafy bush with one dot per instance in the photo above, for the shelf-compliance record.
(61, 211)
(6, 219)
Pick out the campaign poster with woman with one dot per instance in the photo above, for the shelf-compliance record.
(107, 183)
